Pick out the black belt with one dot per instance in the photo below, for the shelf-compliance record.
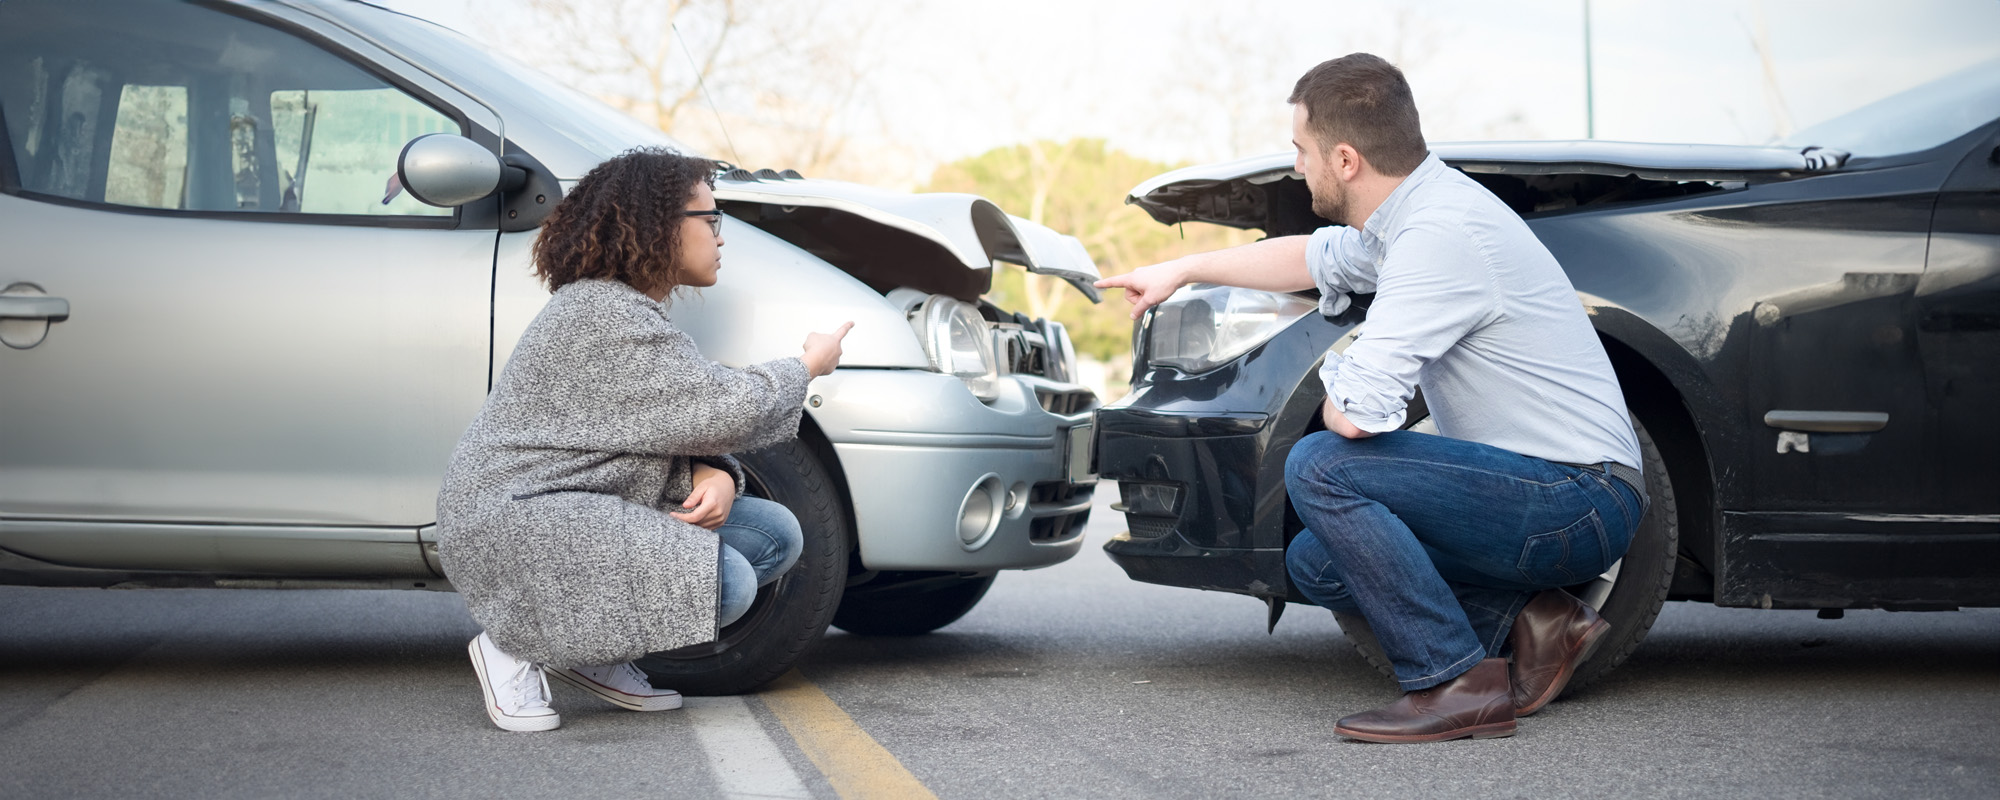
(1631, 477)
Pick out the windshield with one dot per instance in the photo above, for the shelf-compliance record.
(1917, 119)
(496, 78)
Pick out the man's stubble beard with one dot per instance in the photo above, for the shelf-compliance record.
(1329, 200)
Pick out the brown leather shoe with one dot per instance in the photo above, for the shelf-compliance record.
(1474, 704)
(1553, 635)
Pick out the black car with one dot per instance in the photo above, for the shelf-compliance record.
(1808, 336)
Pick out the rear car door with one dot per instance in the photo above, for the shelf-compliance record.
(268, 352)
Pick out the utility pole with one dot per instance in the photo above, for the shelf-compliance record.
(1589, 91)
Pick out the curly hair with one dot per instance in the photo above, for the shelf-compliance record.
(623, 221)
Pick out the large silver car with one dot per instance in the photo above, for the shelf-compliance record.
(263, 259)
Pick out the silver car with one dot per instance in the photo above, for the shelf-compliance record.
(264, 258)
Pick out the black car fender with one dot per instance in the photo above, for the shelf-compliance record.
(1688, 418)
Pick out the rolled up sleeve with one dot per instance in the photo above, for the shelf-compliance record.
(1339, 265)
(1432, 290)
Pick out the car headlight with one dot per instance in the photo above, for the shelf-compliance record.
(959, 342)
(1204, 326)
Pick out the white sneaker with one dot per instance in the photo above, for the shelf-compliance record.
(621, 685)
(517, 695)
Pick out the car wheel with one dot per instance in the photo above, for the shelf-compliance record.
(1628, 595)
(909, 608)
(791, 614)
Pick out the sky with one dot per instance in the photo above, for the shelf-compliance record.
(1186, 81)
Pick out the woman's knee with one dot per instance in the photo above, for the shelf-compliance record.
(780, 538)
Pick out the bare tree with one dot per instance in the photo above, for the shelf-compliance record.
(811, 86)
(1241, 68)
(1774, 96)
(783, 75)
(1238, 71)
(628, 53)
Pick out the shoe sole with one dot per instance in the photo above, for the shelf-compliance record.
(1491, 730)
(1592, 638)
(505, 722)
(665, 702)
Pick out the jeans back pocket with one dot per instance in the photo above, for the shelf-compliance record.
(1567, 556)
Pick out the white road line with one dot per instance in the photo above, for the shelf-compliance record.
(746, 763)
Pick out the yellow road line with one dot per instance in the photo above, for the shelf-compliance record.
(857, 766)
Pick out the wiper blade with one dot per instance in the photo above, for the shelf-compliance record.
(1823, 158)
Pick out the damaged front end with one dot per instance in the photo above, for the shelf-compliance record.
(961, 452)
(931, 256)
(1225, 380)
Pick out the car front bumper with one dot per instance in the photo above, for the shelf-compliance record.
(1204, 501)
(918, 450)
(1200, 465)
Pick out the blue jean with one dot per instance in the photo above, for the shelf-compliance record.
(1439, 542)
(760, 541)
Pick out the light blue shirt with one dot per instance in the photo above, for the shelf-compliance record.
(1469, 305)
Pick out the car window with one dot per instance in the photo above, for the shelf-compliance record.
(1917, 119)
(338, 148)
(175, 106)
(149, 149)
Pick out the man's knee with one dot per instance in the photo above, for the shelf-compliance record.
(1314, 459)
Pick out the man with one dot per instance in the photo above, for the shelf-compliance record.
(1450, 546)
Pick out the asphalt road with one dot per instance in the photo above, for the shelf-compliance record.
(1066, 682)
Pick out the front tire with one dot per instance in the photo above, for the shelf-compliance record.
(791, 614)
(1629, 595)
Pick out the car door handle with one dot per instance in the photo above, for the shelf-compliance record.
(53, 309)
(1827, 421)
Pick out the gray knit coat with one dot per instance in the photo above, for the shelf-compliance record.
(552, 521)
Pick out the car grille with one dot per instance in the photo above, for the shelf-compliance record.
(1056, 529)
(1064, 526)
(1022, 351)
(1066, 403)
(1148, 527)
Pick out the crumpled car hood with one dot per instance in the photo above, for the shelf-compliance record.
(937, 242)
(1202, 193)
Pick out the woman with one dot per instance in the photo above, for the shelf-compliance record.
(591, 514)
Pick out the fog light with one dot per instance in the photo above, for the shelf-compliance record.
(1153, 499)
(979, 513)
(1017, 499)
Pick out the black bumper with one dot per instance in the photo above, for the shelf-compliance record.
(1217, 443)
(1199, 509)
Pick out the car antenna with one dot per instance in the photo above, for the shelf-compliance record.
(703, 86)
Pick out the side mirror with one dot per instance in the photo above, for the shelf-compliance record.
(447, 170)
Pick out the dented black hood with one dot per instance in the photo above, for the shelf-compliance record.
(1264, 191)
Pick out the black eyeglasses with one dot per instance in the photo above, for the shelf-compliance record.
(714, 216)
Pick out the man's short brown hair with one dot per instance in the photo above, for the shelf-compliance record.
(1362, 100)
(622, 222)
